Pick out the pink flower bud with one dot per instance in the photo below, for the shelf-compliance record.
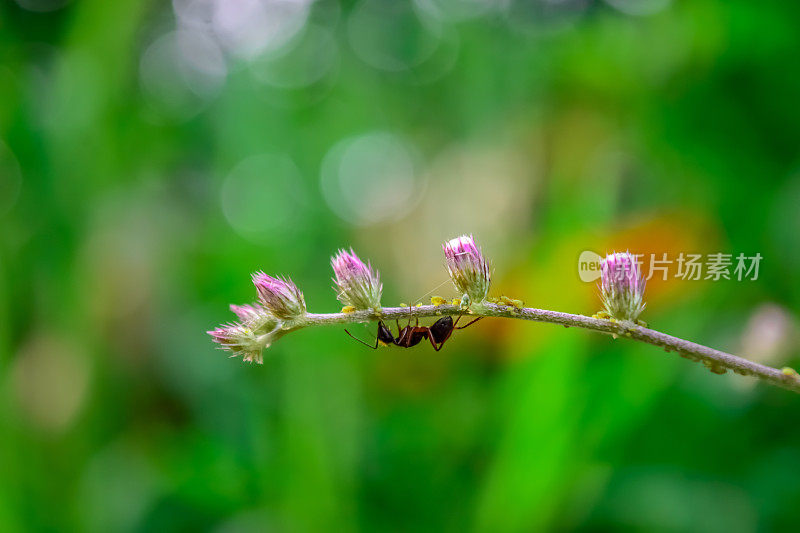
(255, 317)
(239, 340)
(469, 270)
(356, 284)
(279, 296)
(622, 286)
(245, 313)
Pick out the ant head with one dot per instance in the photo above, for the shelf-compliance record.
(385, 336)
(442, 328)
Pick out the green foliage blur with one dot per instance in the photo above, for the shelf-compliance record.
(154, 154)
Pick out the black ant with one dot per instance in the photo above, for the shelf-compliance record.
(410, 336)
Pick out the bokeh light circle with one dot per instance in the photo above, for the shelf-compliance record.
(543, 17)
(194, 13)
(314, 56)
(263, 198)
(456, 10)
(390, 35)
(639, 7)
(370, 178)
(181, 71)
(247, 28)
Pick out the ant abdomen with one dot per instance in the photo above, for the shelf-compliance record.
(441, 330)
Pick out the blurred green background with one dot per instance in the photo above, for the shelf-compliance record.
(154, 154)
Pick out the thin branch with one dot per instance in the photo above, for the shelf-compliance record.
(716, 360)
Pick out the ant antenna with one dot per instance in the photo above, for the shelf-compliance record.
(362, 342)
(430, 291)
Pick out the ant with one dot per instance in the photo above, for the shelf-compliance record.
(409, 336)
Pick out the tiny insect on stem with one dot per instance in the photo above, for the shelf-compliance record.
(410, 336)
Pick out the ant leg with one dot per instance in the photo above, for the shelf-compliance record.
(470, 323)
(362, 342)
(462, 327)
(433, 342)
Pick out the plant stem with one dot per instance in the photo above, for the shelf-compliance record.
(716, 361)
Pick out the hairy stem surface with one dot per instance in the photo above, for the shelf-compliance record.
(715, 360)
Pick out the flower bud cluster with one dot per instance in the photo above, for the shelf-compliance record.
(281, 306)
(355, 283)
(240, 340)
(622, 286)
(469, 270)
(280, 303)
(279, 296)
